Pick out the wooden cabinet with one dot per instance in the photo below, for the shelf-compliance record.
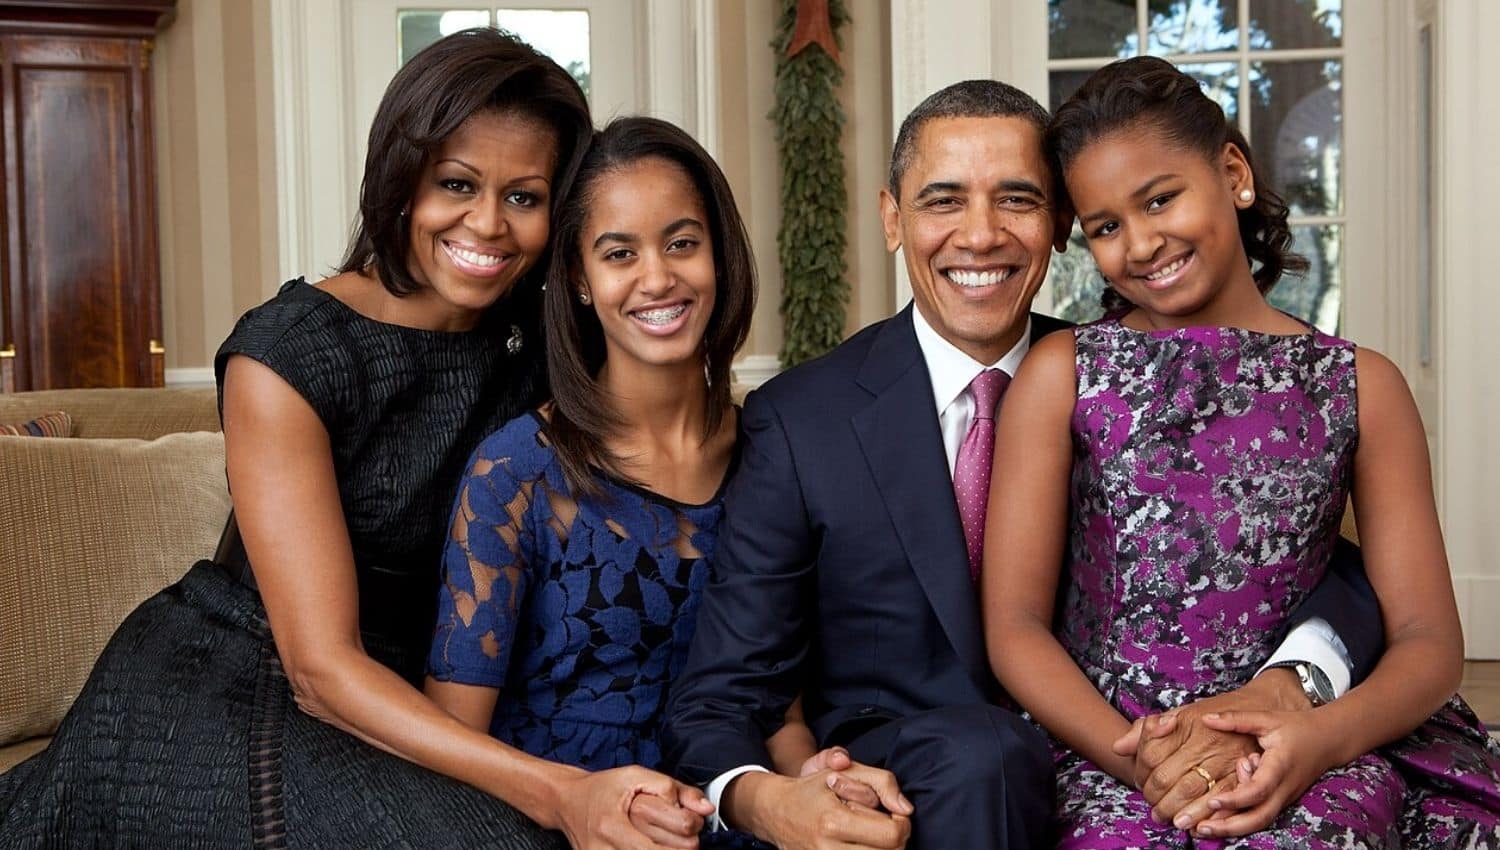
(80, 290)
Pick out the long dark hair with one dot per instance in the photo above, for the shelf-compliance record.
(1149, 92)
(582, 417)
(429, 98)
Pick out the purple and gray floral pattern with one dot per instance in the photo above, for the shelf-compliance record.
(1211, 468)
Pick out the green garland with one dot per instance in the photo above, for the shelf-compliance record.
(812, 237)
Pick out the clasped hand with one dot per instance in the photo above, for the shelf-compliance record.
(1260, 760)
(632, 807)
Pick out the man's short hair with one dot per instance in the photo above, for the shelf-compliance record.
(968, 99)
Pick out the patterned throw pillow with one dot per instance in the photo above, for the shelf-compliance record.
(56, 424)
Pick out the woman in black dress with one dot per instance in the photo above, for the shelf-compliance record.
(349, 409)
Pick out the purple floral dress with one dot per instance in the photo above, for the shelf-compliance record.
(1210, 471)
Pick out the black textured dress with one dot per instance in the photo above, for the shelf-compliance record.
(185, 734)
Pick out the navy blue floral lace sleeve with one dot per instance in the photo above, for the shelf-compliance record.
(579, 611)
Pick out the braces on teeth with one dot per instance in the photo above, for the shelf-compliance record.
(662, 316)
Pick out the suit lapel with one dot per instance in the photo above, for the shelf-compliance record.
(899, 435)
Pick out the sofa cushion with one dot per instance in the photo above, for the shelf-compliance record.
(14, 754)
(92, 527)
(140, 413)
(55, 424)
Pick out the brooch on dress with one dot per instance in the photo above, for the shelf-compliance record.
(514, 341)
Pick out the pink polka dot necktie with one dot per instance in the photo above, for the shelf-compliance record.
(971, 472)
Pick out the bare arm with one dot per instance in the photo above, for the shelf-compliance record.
(286, 500)
(473, 705)
(793, 744)
(1025, 533)
(1407, 565)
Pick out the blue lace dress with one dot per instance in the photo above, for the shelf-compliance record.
(579, 610)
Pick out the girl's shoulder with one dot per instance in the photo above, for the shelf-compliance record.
(1382, 387)
(519, 449)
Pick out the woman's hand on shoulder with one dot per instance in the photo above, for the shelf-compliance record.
(630, 807)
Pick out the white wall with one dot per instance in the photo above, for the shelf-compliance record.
(1468, 346)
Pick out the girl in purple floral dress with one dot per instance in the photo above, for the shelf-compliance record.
(1189, 458)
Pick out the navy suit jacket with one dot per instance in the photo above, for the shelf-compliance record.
(841, 572)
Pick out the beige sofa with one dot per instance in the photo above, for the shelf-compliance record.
(90, 525)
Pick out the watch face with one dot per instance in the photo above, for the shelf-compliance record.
(1320, 684)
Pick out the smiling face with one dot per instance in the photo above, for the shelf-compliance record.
(648, 264)
(479, 217)
(1162, 224)
(977, 222)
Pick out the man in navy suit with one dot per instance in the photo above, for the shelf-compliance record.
(843, 571)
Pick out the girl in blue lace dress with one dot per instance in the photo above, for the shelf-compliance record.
(582, 532)
(1189, 457)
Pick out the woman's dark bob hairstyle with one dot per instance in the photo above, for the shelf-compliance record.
(1151, 94)
(431, 97)
(582, 417)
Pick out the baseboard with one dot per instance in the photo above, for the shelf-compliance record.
(756, 369)
(1478, 601)
(200, 377)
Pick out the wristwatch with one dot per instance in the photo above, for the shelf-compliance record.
(1315, 683)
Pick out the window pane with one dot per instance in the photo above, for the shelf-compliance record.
(1076, 282)
(419, 28)
(561, 35)
(1221, 82)
(1316, 296)
(1288, 24)
(1062, 84)
(1192, 26)
(1296, 132)
(1085, 28)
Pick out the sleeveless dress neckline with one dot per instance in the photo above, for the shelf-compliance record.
(480, 328)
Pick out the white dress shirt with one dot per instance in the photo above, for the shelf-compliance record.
(951, 371)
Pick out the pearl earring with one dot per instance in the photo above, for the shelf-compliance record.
(1246, 195)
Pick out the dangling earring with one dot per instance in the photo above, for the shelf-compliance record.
(1246, 195)
(515, 341)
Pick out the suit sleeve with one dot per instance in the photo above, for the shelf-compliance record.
(1346, 601)
(743, 669)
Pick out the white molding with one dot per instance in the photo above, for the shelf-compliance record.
(1379, 183)
(908, 87)
(756, 369)
(202, 376)
(669, 47)
(1478, 600)
(315, 154)
(705, 55)
(1465, 344)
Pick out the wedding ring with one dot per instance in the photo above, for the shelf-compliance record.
(1212, 783)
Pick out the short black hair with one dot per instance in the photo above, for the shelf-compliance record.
(967, 99)
(583, 416)
(470, 71)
